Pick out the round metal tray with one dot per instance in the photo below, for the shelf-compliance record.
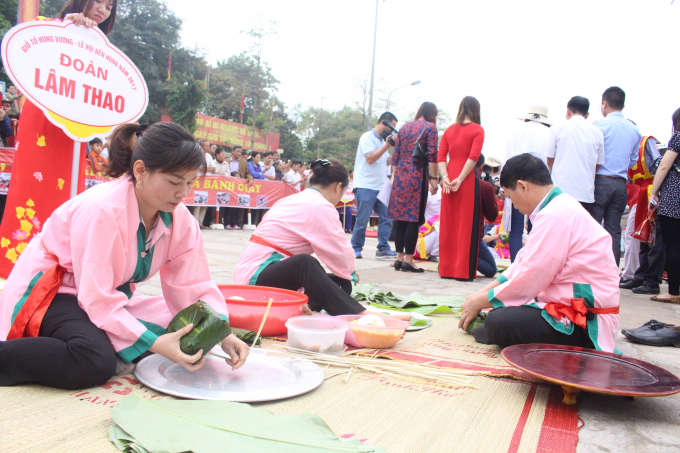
(262, 378)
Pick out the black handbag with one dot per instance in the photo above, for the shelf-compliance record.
(419, 151)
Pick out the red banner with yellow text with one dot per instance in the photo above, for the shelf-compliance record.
(220, 191)
(228, 133)
(223, 192)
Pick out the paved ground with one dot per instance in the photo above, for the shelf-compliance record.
(612, 424)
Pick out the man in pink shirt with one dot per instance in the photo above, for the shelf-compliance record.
(563, 286)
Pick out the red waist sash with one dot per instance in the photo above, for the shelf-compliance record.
(577, 311)
(28, 320)
(266, 243)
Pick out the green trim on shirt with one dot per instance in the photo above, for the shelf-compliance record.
(585, 292)
(27, 293)
(495, 302)
(155, 328)
(314, 188)
(225, 317)
(273, 258)
(502, 279)
(143, 266)
(166, 217)
(551, 196)
(354, 277)
(143, 343)
(558, 325)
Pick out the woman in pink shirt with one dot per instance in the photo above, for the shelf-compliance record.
(279, 253)
(69, 306)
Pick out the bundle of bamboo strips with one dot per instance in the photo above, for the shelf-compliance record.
(417, 372)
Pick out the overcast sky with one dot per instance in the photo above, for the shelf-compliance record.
(508, 54)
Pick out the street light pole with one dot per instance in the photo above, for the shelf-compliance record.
(370, 93)
(403, 86)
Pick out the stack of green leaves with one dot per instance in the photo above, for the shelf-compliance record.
(209, 328)
(144, 425)
(415, 302)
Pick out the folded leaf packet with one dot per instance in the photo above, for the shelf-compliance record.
(209, 328)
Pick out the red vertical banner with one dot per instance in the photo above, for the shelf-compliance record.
(28, 10)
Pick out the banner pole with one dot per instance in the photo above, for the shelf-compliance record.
(344, 216)
(75, 168)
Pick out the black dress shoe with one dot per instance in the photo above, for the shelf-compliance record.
(650, 325)
(630, 284)
(433, 258)
(623, 281)
(397, 265)
(406, 267)
(644, 289)
(657, 335)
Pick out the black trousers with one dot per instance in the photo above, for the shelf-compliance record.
(256, 216)
(232, 216)
(610, 202)
(652, 261)
(405, 236)
(671, 234)
(3, 202)
(325, 291)
(69, 353)
(588, 207)
(210, 215)
(508, 326)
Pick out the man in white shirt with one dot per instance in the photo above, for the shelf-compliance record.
(576, 151)
(209, 159)
(533, 137)
(221, 164)
(370, 173)
(268, 168)
(294, 177)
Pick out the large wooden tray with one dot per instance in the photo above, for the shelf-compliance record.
(580, 369)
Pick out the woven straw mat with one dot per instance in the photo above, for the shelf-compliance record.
(507, 411)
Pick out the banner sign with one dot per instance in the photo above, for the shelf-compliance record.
(83, 83)
(228, 133)
(220, 191)
(223, 192)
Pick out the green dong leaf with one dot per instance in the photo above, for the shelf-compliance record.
(209, 328)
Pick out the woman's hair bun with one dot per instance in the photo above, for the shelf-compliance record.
(327, 172)
(163, 147)
(140, 129)
(320, 168)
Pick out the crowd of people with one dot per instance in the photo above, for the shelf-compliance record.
(249, 165)
(478, 223)
(9, 117)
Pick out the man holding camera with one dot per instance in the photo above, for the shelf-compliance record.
(370, 173)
